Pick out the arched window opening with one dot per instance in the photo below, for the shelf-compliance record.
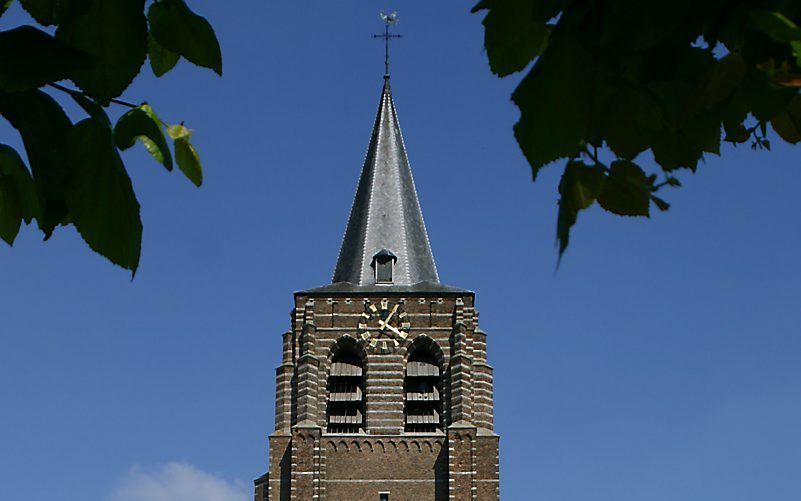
(345, 411)
(422, 393)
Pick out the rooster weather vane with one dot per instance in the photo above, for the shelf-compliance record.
(389, 20)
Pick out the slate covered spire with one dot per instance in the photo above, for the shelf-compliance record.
(386, 213)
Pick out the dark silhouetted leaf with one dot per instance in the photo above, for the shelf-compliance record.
(722, 78)
(10, 210)
(44, 127)
(515, 31)
(30, 58)
(630, 120)
(13, 169)
(161, 59)
(185, 154)
(759, 96)
(101, 199)
(115, 32)
(50, 12)
(626, 191)
(91, 107)
(175, 27)
(578, 189)
(787, 124)
(143, 124)
(554, 101)
(660, 204)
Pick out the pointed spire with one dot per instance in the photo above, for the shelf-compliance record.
(386, 215)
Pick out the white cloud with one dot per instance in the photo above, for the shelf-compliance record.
(176, 482)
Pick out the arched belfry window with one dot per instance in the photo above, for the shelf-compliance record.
(345, 411)
(383, 264)
(422, 390)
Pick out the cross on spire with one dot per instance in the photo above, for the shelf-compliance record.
(389, 20)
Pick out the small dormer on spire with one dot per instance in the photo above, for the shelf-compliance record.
(383, 264)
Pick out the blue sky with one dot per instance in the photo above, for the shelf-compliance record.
(659, 362)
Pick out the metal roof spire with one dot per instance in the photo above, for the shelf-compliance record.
(386, 213)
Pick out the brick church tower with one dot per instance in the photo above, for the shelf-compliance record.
(384, 392)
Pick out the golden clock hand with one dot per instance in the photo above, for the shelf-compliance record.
(396, 331)
(385, 323)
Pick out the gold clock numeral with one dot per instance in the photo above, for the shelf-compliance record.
(390, 324)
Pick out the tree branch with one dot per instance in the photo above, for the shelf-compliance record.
(74, 92)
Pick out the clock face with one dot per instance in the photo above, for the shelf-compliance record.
(384, 327)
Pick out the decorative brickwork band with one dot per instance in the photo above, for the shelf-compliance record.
(461, 370)
(284, 374)
(307, 376)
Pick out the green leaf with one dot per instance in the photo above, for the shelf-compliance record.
(787, 124)
(776, 25)
(578, 189)
(626, 191)
(515, 32)
(44, 127)
(630, 119)
(555, 102)
(101, 199)
(10, 210)
(142, 124)
(175, 27)
(161, 59)
(185, 154)
(46, 12)
(13, 169)
(30, 58)
(115, 32)
(796, 46)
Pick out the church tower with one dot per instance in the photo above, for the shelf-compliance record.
(384, 392)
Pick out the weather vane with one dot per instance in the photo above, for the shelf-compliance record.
(389, 20)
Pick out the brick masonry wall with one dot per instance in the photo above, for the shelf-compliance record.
(409, 468)
(460, 463)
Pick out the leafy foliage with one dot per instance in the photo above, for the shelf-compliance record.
(115, 33)
(76, 173)
(18, 197)
(616, 79)
(100, 196)
(30, 58)
(179, 30)
(185, 154)
(142, 123)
